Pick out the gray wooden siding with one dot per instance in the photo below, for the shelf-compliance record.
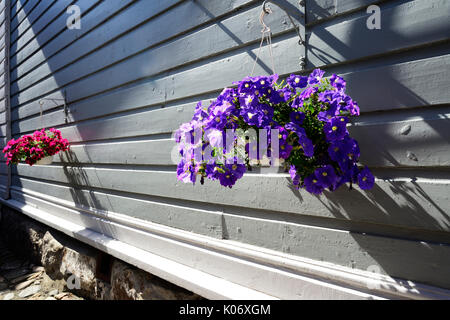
(136, 69)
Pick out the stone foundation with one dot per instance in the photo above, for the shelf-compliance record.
(81, 265)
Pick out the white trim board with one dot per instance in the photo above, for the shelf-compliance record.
(214, 268)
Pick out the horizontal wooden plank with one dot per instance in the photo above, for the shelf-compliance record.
(23, 13)
(94, 18)
(113, 28)
(2, 32)
(423, 75)
(412, 260)
(234, 67)
(404, 199)
(2, 54)
(146, 208)
(154, 152)
(406, 25)
(44, 29)
(2, 16)
(3, 181)
(3, 166)
(424, 143)
(182, 50)
(422, 140)
(2, 105)
(2, 117)
(205, 4)
(31, 19)
(16, 7)
(405, 85)
(327, 9)
(2, 92)
(2, 130)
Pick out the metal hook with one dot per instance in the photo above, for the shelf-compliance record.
(66, 109)
(266, 10)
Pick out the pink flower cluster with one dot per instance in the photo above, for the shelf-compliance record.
(32, 148)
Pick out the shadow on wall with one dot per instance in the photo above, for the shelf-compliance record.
(82, 193)
(399, 200)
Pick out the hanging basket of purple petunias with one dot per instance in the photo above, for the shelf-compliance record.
(301, 125)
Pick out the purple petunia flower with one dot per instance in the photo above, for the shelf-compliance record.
(280, 96)
(285, 150)
(187, 172)
(251, 116)
(305, 143)
(324, 116)
(227, 94)
(294, 176)
(346, 103)
(344, 150)
(296, 81)
(236, 169)
(366, 180)
(312, 185)
(326, 176)
(337, 82)
(199, 114)
(316, 76)
(246, 86)
(211, 172)
(336, 129)
(307, 146)
(232, 173)
(227, 179)
(248, 101)
(326, 96)
(295, 128)
(302, 105)
(297, 117)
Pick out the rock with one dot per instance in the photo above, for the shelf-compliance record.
(23, 285)
(61, 295)
(53, 293)
(38, 269)
(36, 275)
(9, 296)
(72, 263)
(79, 267)
(130, 283)
(52, 253)
(50, 298)
(3, 285)
(37, 282)
(69, 297)
(36, 296)
(29, 291)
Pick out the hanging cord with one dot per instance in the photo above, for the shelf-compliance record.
(41, 117)
(266, 33)
(55, 101)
